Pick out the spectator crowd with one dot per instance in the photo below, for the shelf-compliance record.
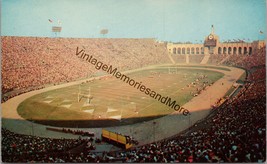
(236, 132)
(30, 63)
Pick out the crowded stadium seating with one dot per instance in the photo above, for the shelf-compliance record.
(179, 58)
(26, 148)
(216, 59)
(234, 132)
(30, 63)
(195, 59)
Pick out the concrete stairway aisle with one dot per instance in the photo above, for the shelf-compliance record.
(224, 59)
(205, 59)
(170, 57)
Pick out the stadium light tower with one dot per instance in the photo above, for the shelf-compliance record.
(104, 32)
(56, 30)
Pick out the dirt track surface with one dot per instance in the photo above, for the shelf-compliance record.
(144, 132)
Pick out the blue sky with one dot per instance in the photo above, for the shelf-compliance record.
(166, 20)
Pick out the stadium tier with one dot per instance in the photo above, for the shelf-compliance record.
(233, 132)
(29, 62)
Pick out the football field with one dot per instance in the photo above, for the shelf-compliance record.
(115, 102)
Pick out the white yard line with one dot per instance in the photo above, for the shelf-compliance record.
(165, 127)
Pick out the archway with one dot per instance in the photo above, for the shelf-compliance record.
(219, 50)
(197, 50)
(245, 50)
(229, 50)
(250, 50)
(188, 50)
(234, 51)
(174, 51)
(224, 50)
(183, 51)
(192, 50)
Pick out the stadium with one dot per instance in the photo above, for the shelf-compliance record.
(90, 100)
(31, 107)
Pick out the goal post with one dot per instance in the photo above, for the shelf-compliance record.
(84, 94)
(172, 70)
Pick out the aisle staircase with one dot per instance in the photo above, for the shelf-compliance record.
(205, 59)
(170, 57)
(224, 59)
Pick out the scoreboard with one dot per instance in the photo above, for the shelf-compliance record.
(116, 139)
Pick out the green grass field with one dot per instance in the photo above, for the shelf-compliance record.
(114, 101)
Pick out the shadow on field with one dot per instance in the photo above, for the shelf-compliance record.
(94, 123)
(98, 123)
(164, 127)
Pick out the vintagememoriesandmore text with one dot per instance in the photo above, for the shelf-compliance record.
(138, 85)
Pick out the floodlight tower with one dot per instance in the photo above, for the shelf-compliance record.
(56, 30)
